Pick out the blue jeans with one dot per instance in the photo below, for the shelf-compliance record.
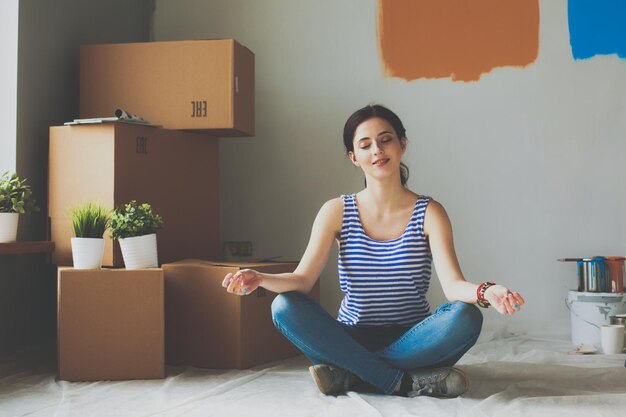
(378, 355)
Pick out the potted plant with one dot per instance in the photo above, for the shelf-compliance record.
(15, 199)
(135, 226)
(90, 221)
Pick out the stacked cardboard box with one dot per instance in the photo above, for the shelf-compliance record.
(174, 171)
(204, 86)
(110, 324)
(209, 328)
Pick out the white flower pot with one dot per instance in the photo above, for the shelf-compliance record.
(140, 251)
(8, 227)
(87, 252)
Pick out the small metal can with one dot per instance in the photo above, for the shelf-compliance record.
(593, 275)
(615, 272)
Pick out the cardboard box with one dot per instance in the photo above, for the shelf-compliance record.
(205, 85)
(207, 327)
(110, 324)
(175, 172)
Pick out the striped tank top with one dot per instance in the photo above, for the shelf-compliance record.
(384, 282)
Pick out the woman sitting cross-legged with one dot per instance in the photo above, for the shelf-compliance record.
(385, 337)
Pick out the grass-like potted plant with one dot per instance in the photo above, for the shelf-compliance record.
(135, 226)
(15, 199)
(90, 221)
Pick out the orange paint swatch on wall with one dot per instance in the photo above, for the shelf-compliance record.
(460, 39)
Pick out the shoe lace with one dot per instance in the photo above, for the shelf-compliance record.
(429, 384)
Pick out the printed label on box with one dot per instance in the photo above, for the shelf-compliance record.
(198, 108)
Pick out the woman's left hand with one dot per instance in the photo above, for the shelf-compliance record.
(503, 300)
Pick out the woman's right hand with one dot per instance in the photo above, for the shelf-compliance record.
(242, 282)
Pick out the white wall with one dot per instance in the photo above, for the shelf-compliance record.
(530, 163)
(8, 82)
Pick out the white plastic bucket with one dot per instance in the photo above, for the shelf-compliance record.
(589, 311)
(87, 252)
(140, 251)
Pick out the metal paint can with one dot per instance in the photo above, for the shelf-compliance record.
(593, 275)
(615, 272)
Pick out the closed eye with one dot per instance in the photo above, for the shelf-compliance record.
(383, 140)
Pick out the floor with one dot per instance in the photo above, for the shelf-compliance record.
(510, 375)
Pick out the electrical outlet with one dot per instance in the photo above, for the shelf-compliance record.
(237, 249)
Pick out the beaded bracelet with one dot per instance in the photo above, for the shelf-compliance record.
(480, 294)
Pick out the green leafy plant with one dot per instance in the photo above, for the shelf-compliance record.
(90, 220)
(131, 220)
(15, 195)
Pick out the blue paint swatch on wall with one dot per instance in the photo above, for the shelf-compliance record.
(597, 27)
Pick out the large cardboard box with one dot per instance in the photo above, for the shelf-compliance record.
(207, 327)
(110, 324)
(205, 85)
(174, 171)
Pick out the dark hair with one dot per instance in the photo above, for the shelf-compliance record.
(366, 113)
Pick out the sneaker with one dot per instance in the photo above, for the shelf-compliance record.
(439, 382)
(331, 380)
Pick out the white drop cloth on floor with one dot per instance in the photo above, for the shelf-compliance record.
(510, 375)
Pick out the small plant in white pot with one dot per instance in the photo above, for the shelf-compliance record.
(90, 221)
(135, 226)
(15, 199)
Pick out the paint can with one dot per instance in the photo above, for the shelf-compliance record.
(593, 275)
(589, 311)
(615, 272)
